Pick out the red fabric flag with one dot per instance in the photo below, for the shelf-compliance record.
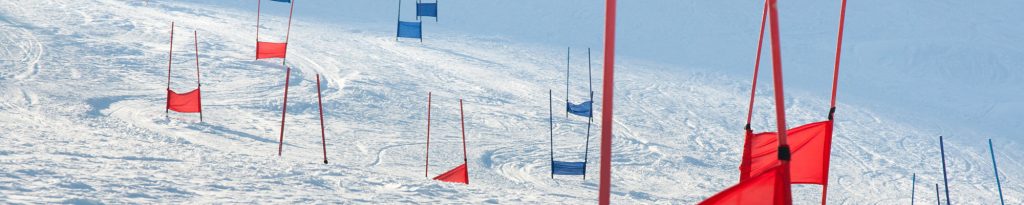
(811, 146)
(766, 188)
(270, 50)
(458, 175)
(184, 102)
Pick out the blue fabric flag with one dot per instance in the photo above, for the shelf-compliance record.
(584, 109)
(426, 9)
(410, 29)
(285, 1)
(568, 168)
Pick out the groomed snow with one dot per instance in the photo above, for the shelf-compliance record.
(82, 84)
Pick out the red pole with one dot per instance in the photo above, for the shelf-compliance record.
(258, 2)
(170, 55)
(462, 118)
(780, 101)
(320, 103)
(426, 169)
(284, 109)
(604, 194)
(832, 110)
(288, 32)
(199, 83)
(757, 66)
(839, 50)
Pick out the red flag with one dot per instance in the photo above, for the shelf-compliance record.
(766, 188)
(270, 50)
(810, 145)
(184, 102)
(458, 175)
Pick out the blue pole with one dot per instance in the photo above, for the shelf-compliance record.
(913, 183)
(945, 179)
(996, 168)
(937, 200)
(398, 27)
(551, 123)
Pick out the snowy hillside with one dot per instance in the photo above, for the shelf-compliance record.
(82, 84)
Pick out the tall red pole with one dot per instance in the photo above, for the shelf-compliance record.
(320, 103)
(462, 119)
(284, 109)
(604, 191)
(780, 101)
(170, 55)
(199, 84)
(757, 66)
(288, 32)
(839, 51)
(258, 2)
(426, 169)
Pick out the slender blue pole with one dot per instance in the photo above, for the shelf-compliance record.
(996, 168)
(945, 179)
(937, 200)
(913, 183)
(551, 123)
(398, 19)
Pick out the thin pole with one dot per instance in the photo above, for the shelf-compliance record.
(426, 169)
(757, 65)
(258, 5)
(551, 129)
(996, 169)
(398, 19)
(199, 83)
(605, 187)
(780, 102)
(839, 51)
(288, 33)
(590, 76)
(586, 147)
(567, 56)
(937, 200)
(284, 109)
(913, 186)
(945, 179)
(320, 103)
(462, 119)
(170, 56)
(417, 10)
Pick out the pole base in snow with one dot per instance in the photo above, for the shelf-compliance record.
(325, 161)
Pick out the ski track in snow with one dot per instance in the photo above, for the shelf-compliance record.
(87, 127)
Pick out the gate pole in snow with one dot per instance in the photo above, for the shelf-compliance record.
(913, 183)
(199, 83)
(937, 200)
(320, 103)
(465, 160)
(170, 55)
(605, 187)
(551, 129)
(284, 109)
(945, 179)
(996, 168)
(426, 169)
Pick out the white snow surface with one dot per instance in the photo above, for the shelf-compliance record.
(82, 84)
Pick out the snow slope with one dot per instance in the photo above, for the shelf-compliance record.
(83, 83)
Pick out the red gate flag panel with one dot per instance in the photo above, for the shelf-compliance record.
(458, 175)
(810, 145)
(184, 102)
(270, 50)
(766, 188)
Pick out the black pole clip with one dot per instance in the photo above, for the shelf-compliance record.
(784, 154)
(831, 113)
(747, 127)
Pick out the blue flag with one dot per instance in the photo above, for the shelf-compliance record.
(410, 29)
(426, 9)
